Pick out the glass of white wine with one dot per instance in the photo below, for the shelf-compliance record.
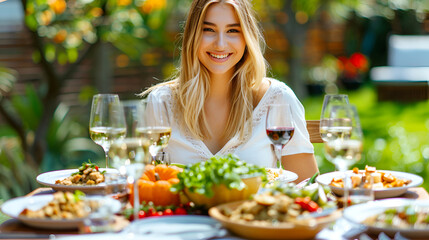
(344, 142)
(155, 125)
(330, 101)
(101, 130)
(130, 154)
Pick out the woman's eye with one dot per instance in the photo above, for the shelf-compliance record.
(208, 30)
(233, 31)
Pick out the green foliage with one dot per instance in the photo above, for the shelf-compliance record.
(68, 26)
(62, 129)
(7, 80)
(396, 135)
(16, 177)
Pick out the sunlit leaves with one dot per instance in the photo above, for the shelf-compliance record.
(71, 24)
(50, 52)
(387, 8)
(7, 80)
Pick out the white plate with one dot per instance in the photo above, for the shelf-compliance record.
(325, 179)
(15, 206)
(113, 236)
(49, 178)
(284, 175)
(184, 227)
(358, 213)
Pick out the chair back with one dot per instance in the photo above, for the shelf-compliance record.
(313, 130)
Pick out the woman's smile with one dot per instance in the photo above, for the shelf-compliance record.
(220, 57)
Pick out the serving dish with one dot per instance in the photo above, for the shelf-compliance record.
(15, 206)
(222, 194)
(325, 179)
(358, 213)
(49, 178)
(287, 230)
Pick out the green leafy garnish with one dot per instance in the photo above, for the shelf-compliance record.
(227, 170)
(312, 179)
(78, 195)
(86, 165)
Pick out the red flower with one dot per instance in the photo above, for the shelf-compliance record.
(351, 67)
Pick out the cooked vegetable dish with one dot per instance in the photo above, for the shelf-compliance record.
(361, 179)
(65, 205)
(407, 217)
(88, 174)
(284, 203)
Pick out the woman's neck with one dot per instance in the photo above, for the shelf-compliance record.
(220, 86)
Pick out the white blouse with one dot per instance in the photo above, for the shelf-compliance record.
(255, 148)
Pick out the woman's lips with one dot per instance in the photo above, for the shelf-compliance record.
(219, 57)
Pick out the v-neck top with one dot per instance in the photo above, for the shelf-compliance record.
(255, 147)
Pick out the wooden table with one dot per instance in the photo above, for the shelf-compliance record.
(14, 229)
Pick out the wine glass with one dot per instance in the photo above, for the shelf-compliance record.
(344, 141)
(155, 125)
(280, 128)
(330, 101)
(100, 124)
(129, 155)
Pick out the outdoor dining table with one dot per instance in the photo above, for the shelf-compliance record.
(14, 229)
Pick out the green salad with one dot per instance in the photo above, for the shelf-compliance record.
(228, 170)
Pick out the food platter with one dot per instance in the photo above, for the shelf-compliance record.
(358, 213)
(15, 206)
(286, 230)
(282, 175)
(49, 178)
(325, 179)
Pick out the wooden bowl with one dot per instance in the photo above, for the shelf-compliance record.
(224, 195)
(286, 230)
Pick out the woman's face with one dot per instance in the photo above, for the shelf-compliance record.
(222, 44)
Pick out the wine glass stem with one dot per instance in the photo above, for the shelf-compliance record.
(136, 199)
(106, 153)
(278, 149)
(346, 180)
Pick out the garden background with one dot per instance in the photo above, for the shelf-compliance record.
(55, 54)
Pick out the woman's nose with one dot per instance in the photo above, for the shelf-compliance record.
(221, 41)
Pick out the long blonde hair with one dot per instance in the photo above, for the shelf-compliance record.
(191, 85)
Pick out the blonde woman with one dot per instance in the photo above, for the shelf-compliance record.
(220, 95)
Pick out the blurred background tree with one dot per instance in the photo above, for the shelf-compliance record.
(67, 35)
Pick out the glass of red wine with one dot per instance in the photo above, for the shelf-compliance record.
(280, 127)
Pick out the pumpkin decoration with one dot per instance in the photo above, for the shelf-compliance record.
(154, 185)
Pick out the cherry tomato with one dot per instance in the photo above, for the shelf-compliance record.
(158, 214)
(312, 206)
(180, 211)
(168, 212)
(151, 212)
(142, 214)
(96, 168)
(300, 202)
(307, 204)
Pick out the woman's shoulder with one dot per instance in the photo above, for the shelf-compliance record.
(280, 86)
(161, 90)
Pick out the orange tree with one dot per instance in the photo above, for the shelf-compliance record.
(65, 33)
